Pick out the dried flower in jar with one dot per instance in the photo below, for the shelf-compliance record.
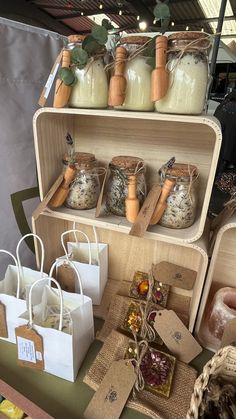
(140, 286)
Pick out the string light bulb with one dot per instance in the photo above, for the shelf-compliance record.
(172, 23)
(120, 12)
(202, 30)
(100, 6)
(154, 21)
(82, 13)
(143, 25)
(138, 17)
(187, 28)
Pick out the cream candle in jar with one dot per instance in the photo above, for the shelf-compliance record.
(91, 88)
(138, 75)
(187, 64)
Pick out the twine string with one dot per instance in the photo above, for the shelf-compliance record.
(141, 350)
(147, 331)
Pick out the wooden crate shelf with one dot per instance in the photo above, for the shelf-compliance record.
(128, 254)
(221, 273)
(107, 133)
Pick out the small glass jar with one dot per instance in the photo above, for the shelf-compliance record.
(182, 200)
(91, 88)
(187, 63)
(117, 188)
(138, 76)
(85, 188)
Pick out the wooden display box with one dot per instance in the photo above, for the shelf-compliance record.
(30, 408)
(128, 254)
(108, 133)
(221, 273)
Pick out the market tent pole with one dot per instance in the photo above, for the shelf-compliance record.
(217, 41)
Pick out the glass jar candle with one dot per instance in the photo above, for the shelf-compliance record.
(187, 62)
(117, 188)
(91, 88)
(182, 201)
(85, 188)
(138, 75)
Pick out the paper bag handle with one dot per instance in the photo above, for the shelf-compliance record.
(18, 271)
(42, 251)
(95, 237)
(60, 297)
(76, 231)
(60, 262)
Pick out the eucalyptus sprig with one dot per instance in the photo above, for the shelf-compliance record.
(162, 13)
(92, 45)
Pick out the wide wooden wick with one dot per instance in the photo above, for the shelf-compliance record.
(61, 193)
(160, 76)
(132, 203)
(117, 87)
(161, 204)
(62, 92)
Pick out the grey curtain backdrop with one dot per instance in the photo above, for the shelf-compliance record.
(27, 55)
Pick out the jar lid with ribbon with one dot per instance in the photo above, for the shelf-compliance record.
(81, 159)
(196, 39)
(129, 164)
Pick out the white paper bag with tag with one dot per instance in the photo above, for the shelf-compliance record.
(13, 288)
(91, 260)
(9, 297)
(65, 322)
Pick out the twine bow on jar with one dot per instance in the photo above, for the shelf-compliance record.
(140, 351)
(147, 331)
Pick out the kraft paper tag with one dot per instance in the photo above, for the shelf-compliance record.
(3, 321)
(176, 336)
(174, 275)
(66, 278)
(29, 347)
(50, 80)
(111, 396)
(229, 335)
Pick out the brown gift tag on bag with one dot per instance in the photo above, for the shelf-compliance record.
(3, 321)
(113, 392)
(176, 336)
(174, 275)
(229, 335)
(29, 347)
(66, 277)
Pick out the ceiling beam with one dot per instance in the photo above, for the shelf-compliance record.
(90, 13)
(143, 11)
(202, 20)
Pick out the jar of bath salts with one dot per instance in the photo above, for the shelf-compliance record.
(138, 75)
(117, 189)
(182, 201)
(187, 63)
(85, 188)
(91, 88)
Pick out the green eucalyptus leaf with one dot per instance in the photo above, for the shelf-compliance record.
(79, 56)
(99, 33)
(161, 11)
(151, 48)
(107, 24)
(90, 45)
(66, 75)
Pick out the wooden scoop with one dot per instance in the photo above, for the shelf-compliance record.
(62, 92)
(160, 77)
(117, 87)
(61, 193)
(132, 202)
(161, 204)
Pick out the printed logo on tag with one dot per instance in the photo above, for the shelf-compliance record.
(26, 350)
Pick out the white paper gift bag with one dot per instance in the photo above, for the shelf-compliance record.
(65, 322)
(91, 260)
(28, 275)
(9, 298)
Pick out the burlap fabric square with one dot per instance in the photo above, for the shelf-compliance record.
(155, 406)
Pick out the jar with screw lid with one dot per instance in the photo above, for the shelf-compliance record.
(187, 62)
(138, 74)
(182, 201)
(91, 88)
(85, 188)
(117, 188)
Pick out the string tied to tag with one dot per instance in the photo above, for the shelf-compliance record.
(141, 349)
(147, 331)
